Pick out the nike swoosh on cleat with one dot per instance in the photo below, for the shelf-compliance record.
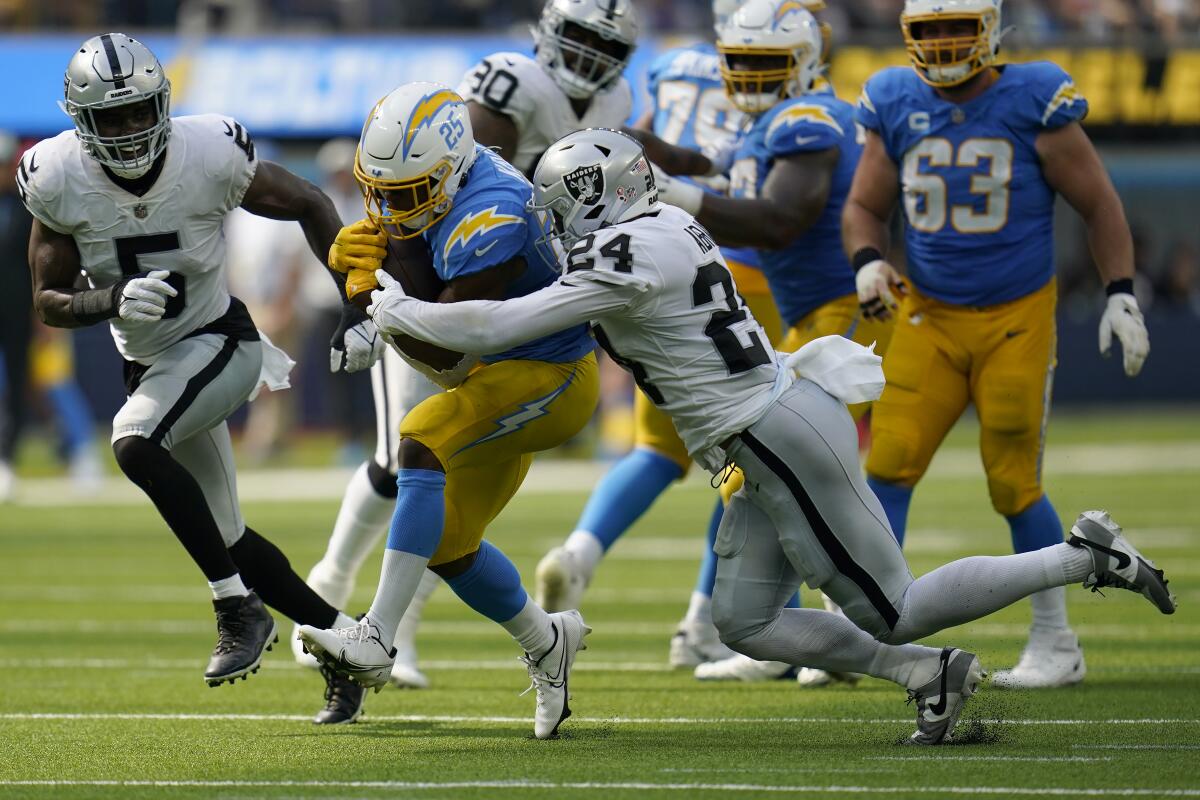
(1122, 558)
(480, 251)
(940, 706)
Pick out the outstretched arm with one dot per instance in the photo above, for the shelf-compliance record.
(673, 159)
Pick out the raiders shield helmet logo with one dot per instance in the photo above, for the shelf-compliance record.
(585, 184)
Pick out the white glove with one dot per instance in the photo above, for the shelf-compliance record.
(721, 156)
(1123, 317)
(144, 298)
(874, 284)
(386, 302)
(356, 344)
(680, 194)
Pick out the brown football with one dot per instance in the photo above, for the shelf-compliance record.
(410, 263)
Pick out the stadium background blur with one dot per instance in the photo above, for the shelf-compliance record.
(301, 75)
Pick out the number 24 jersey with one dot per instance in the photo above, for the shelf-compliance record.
(980, 213)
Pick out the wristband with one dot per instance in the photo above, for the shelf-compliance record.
(865, 256)
(1119, 286)
(90, 306)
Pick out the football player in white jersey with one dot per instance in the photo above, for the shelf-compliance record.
(135, 200)
(657, 291)
(519, 105)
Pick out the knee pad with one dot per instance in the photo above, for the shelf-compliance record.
(382, 481)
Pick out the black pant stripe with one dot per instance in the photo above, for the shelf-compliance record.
(829, 542)
(193, 388)
(389, 425)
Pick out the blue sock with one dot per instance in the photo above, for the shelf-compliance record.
(420, 512)
(895, 499)
(708, 566)
(492, 586)
(1036, 527)
(624, 494)
(75, 420)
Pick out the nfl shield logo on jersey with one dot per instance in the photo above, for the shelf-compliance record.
(585, 184)
(140, 211)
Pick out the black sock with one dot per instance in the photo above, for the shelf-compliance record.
(179, 500)
(266, 570)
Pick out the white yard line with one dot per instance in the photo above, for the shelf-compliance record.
(627, 785)
(455, 718)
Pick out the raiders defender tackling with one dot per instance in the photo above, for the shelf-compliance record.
(135, 200)
(661, 300)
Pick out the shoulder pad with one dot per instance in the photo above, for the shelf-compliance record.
(483, 235)
(803, 125)
(1055, 100)
(508, 82)
(41, 177)
(881, 91)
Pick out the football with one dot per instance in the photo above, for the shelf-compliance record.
(416, 274)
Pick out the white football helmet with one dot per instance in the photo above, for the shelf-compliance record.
(413, 156)
(770, 49)
(949, 61)
(722, 10)
(585, 44)
(114, 71)
(591, 179)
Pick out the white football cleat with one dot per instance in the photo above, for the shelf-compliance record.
(356, 652)
(560, 581)
(330, 588)
(739, 667)
(1050, 659)
(406, 675)
(8, 482)
(1116, 562)
(940, 700)
(549, 674)
(696, 643)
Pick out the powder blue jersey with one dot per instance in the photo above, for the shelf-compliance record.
(489, 225)
(692, 110)
(979, 211)
(814, 269)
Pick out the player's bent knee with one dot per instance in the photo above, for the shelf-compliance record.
(1010, 498)
(414, 455)
(136, 456)
(452, 569)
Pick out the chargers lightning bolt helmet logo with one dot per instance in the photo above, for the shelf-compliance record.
(424, 113)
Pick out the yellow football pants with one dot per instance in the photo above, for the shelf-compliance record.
(486, 431)
(943, 356)
(653, 429)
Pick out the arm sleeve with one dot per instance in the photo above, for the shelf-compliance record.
(803, 128)
(1056, 100)
(493, 326)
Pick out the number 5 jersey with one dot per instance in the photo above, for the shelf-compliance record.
(177, 225)
(979, 211)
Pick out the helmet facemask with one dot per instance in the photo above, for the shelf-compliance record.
(404, 209)
(582, 59)
(99, 126)
(756, 78)
(947, 61)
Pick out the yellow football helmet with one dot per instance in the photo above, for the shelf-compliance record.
(415, 149)
(946, 61)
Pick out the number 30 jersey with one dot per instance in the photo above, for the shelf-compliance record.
(980, 213)
(516, 86)
(177, 225)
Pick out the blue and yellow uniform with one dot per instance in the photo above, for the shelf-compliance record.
(979, 323)
(692, 110)
(533, 397)
(811, 279)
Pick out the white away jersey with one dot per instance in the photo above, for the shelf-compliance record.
(515, 85)
(176, 225)
(687, 337)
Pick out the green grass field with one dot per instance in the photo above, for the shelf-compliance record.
(107, 626)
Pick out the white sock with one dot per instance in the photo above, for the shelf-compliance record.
(970, 588)
(361, 522)
(532, 629)
(228, 587)
(1049, 610)
(587, 550)
(406, 633)
(699, 610)
(398, 581)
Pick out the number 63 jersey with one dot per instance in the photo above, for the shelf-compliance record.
(980, 213)
(177, 225)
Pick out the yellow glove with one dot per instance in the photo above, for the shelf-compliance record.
(359, 246)
(359, 281)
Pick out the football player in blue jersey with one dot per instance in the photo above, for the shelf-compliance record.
(979, 151)
(689, 109)
(791, 171)
(464, 453)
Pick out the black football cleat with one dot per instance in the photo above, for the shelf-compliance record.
(343, 700)
(245, 630)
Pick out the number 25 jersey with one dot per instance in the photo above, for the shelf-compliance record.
(177, 225)
(980, 213)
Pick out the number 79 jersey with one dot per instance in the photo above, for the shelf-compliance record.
(692, 345)
(177, 225)
(980, 213)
